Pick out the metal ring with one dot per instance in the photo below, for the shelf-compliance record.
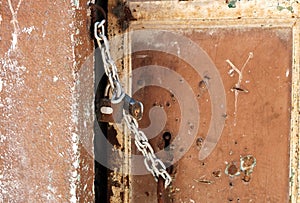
(98, 25)
(118, 93)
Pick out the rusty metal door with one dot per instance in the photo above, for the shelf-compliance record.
(218, 89)
(250, 159)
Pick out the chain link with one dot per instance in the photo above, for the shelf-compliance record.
(153, 164)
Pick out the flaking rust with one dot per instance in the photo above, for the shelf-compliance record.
(119, 180)
(246, 168)
(214, 9)
(115, 26)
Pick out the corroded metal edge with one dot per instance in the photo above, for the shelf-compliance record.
(295, 110)
(158, 10)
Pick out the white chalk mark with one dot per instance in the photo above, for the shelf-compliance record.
(55, 79)
(238, 84)
(28, 30)
(1, 85)
(287, 73)
(15, 23)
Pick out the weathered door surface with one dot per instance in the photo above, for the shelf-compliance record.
(257, 118)
(219, 82)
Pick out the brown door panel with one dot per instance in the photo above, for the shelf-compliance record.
(250, 162)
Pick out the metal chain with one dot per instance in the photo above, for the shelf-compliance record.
(153, 164)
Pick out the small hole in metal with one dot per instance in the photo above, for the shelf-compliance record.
(168, 104)
(167, 138)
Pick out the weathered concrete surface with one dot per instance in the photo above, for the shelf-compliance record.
(46, 102)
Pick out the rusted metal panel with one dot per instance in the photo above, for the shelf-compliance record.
(256, 118)
(261, 112)
(46, 97)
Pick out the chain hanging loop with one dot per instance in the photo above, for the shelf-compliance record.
(153, 164)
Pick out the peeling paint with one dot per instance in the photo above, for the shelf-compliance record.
(55, 79)
(75, 3)
(1, 85)
(28, 30)
(212, 9)
(287, 73)
(75, 147)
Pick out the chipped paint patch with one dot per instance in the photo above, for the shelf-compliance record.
(28, 30)
(2, 138)
(75, 3)
(75, 176)
(75, 163)
(213, 9)
(75, 156)
(55, 79)
(1, 85)
(287, 73)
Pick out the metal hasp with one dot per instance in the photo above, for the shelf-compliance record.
(113, 113)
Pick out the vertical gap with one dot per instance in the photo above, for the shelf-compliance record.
(163, 195)
(101, 172)
(100, 149)
(167, 136)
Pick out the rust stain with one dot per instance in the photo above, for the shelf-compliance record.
(123, 14)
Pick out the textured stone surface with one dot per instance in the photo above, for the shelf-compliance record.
(46, 102)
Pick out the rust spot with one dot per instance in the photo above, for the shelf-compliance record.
(173, 97)
(232, 170)
(202, 84)
(246, 178)
(217, 173)
(199, 142)
(239, 89)
(124, 15)
(168, 104)
(248, 163)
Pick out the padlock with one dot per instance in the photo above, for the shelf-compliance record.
(133, 107)
(113, 112)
